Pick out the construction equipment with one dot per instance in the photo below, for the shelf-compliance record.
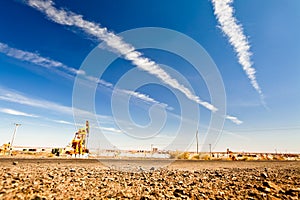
(79, 142)
(5, 148)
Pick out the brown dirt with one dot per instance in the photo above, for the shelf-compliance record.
(134, 179)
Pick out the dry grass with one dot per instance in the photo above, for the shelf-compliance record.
(195, 157)
(174, 154)
(179, 155)
(184, 155)
(205, 157)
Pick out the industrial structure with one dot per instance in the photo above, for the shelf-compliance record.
(76, 148)
(79, 142)
(5, 148)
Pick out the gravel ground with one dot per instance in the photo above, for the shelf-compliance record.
(89, 179)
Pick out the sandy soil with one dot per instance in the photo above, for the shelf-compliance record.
(147, 179)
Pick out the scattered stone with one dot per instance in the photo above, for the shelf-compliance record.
(266, 169)
(180, 182)
(271, 185)
(145, 197)
(15, 163)
(264, 189)
(51, 176)
(267, 190)
(152, 169)
(72, 170)
(141, 169)
(110, 179)
(178, 192)
(264, 175)
(217, 174)
(293, 192)
(84, 181)
(272, 197)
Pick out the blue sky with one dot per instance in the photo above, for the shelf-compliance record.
(40, 58)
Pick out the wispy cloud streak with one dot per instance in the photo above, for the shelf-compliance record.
(49, 64)
(229, 25)
(22, 99)
(35, 59)
(63, 122)
(234, 119)
(14, 97)
(16, 112)
(115, 44)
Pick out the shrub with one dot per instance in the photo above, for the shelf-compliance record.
(196, 157)
(205, 157)
(184, 155)
(174, 154)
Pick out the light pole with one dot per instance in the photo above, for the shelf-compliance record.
(13, 137)
(197, 142)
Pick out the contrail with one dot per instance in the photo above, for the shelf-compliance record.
(35, 59)
(233, 119)
(117, 45)
(234, 31)
(16, 112)
(48, 63)
(13, 96)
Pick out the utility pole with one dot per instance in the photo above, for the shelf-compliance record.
(13, 137)
(210, 150)
(197, 142)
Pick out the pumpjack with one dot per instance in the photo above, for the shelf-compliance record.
(79, 142)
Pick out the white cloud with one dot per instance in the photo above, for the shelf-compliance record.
(12, 96)
(16, 97)
(49, 63)
(145, 98)
(140, 96)
(116, 45)
(234, 31)
(110, 129)
(63, 122)
(99, 81)
(16, 112)
(233, 119)
(102, 128)
(36, 59)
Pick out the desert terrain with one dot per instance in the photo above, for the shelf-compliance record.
(147, 179)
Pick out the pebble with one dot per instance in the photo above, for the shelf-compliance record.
(152, 168)
(264, 175)
(271, 185)
(42, 181)
(72, 170)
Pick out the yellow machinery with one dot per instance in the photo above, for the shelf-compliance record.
(79, 142)
(5, 148)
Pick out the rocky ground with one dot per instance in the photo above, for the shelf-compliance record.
(73, 179)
